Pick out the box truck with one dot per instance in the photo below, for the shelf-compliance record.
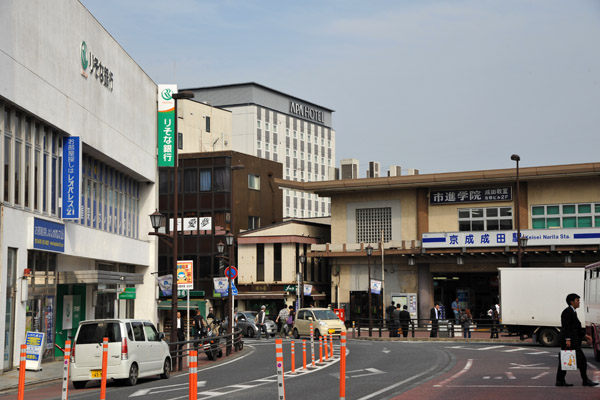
(532, 299)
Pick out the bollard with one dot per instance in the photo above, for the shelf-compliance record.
(326, 347)
(331, 345)
(21, 391)
(193, 372)
(312, 346)
(279, 360)
(67, 362)
(293, 359)
(353, 329)
(304, 354)
(343, 366)
(320, 349)
(104, 368)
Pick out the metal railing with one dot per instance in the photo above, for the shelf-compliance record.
(445, 328)
(212, 346)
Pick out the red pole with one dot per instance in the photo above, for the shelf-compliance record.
(293, 359)
(331, 345)
(304, 354)
(21, 391)
(343, 366)
(320, 349)
(104, 368)
(193, 372)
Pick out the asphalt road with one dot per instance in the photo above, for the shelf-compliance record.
(375, 370)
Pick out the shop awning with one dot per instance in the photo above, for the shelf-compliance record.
(100, 277)
(181, 305)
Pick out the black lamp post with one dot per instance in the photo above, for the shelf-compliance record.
(229, 239)
(516, 158)
(369, 250)
(301, 286)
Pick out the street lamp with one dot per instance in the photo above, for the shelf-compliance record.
(369, 250)
(516, 158)
(229, 238)
(301, 281)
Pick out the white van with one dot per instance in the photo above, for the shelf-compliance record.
(135, 350)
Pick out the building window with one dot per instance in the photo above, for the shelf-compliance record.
(266, 126)
(302, 155)
(485, 219)
(253, 181)
(295, 134)
(207, 119)
(301, 135)
(370, 222)
(260, 262)
(277, 262)
(258, 145)
(295, 153)
(585, 215)
(274, 128)
(258, 124)
(267, 147)
(190, 182)
(287, 132)
(205, 180)
(275, 148)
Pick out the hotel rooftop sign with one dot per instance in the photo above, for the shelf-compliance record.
(306, 112)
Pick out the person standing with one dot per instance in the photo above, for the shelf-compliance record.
(282, 321)
(180, 334)
(455, 310)
(290, 319)
(260, 323)
(570, 337)
(467, 321)
(394, 321)
(404, 320)
(388, 316)
(495, 320)
(434, 316)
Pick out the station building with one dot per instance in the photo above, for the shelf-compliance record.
(65, 77)
(270, 124)
(441, 236)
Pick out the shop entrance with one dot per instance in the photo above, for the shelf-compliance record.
(477, 291)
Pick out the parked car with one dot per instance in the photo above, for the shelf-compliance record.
(248, 326)
(135, 350)
(324, 321)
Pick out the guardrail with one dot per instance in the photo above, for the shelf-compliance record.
(446, 328)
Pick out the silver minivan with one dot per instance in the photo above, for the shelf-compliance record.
(135, 350)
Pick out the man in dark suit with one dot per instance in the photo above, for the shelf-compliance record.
(434, 315)
(404, 318)
(570, 338)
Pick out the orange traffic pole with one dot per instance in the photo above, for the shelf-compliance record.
(343, 366)
(326, 348)
(67, 362)
(312, 346)
(193, 372)
(293, 359)
(279, 362)
(21, 391)
(304, 353)
(320, 349)
(104, 368)
(331, 345)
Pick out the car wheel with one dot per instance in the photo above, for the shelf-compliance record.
(133, 375)
(296, 334)
(220, 353)
(166, 369)
(548, 337)
(317, 334)
(250, 332)
(79, 384)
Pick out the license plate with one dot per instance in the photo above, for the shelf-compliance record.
(331, 331)
(96, 373)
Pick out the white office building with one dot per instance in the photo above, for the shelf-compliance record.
(63, 76)
(297, 133)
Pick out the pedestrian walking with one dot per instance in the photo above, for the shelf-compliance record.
(260, 323)
(570, 337)
(282, 321)
(290, 319)
(495, 321)
(434, 316)
(404, 320)
(467, 322)
(394, 323)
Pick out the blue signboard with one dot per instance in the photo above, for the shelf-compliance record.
(48, 235)
(71, 178)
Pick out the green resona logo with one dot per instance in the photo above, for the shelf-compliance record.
(167, 94)
(84, 57)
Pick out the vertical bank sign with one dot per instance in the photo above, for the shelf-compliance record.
(166, 125)
(71, 178)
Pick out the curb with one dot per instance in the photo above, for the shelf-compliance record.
(387, 339)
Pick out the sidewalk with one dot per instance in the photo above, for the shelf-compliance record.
(422, 335)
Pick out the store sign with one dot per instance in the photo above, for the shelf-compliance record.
(375, 286)
(166, 125)
(306, 112)
(127, 294)
(220, 285)
(290, 288)
(501, 193)
(536, 237)
(96, 68)
(165, 283)
(35, 345)
(307, 290)
(185, 275)
(48, 235)
(191, 224)
(67, 317)
(71, 178)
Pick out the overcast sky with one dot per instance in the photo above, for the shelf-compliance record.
(435, 85)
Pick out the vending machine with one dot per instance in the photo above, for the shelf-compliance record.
(408, 299)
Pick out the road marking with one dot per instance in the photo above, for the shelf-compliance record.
(488, 348)
(513, 350)
(395, 385)
(385, 350)
(537, 352)
(164, 389)
(140, 392)
(476, 348)
(486, 377)
(510, 375)
(527, 366)
(540, 375)
(459, 373)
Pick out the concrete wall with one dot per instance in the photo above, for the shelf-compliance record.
(192, 124)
